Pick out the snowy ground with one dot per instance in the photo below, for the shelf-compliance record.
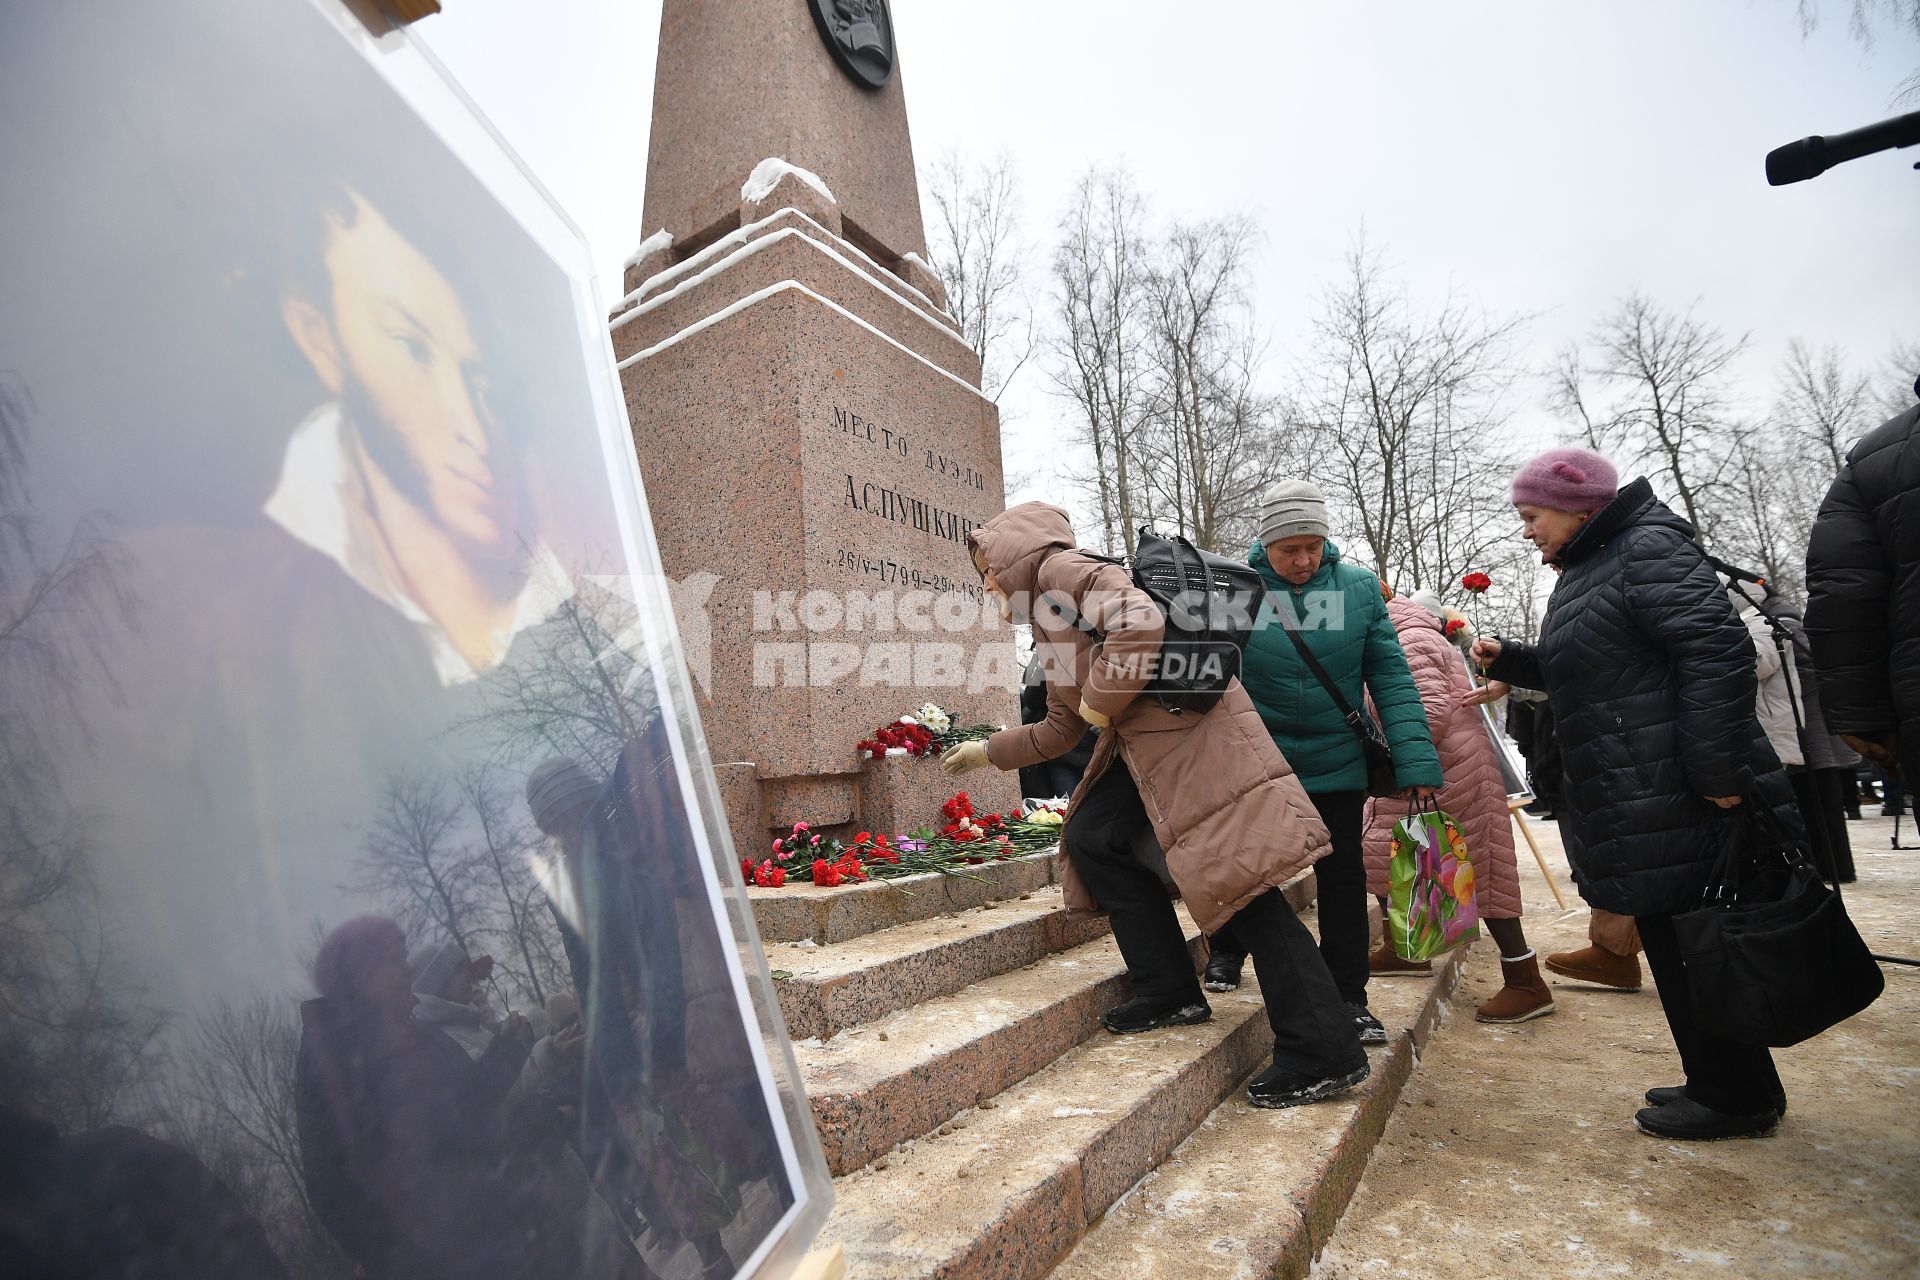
(1513, 1151)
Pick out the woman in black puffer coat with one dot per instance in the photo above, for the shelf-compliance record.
(1652, 683)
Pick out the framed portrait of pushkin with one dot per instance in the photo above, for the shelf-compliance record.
(366, 907)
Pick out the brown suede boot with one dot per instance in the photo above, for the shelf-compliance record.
(1524, 996)
(1384, 962)
(1599, 966)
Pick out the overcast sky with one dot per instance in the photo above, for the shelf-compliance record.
(1540, 157)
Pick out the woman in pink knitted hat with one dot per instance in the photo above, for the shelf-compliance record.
(1652, 683)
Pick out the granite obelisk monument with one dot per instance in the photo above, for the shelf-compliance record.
(807, 415)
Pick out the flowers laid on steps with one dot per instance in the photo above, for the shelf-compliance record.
(927, 732)
(985, 833)
(966, 838)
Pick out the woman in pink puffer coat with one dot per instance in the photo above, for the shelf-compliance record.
(1475, 794)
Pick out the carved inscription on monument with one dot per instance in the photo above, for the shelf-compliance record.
(886, 497)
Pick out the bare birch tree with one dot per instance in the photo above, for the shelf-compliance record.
(1401, 416)
(1099, 277)
(1207, 434)
(583, 687)
(234, 1107)
(1652, 392)
(1864, 20)
(975, 242)
(1822, 404)
(1899, 383)
(1766, 514)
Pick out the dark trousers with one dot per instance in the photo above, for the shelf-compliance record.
(1340, 883)
(1312, 1033)
(1737, 1079)
(1821, 794)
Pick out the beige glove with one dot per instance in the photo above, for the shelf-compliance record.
(965, 758)
(1093, 717)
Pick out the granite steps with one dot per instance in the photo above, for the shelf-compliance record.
(801, 912)
(902, 1075)
(1199, 1214)
(980, 1123)
(1003, 1189)
(826, 990)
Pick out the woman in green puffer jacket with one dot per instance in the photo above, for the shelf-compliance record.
(1342, 615)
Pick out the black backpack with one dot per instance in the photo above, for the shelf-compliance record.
(1209, 603)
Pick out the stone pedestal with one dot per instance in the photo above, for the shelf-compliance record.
(809, 424)
(898, 795)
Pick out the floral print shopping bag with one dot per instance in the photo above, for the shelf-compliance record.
(1431, 908)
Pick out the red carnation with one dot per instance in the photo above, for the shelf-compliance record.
(1455, 626)
(825, 874)
(1476, 582)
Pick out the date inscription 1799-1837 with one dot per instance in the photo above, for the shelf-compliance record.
(860, 35)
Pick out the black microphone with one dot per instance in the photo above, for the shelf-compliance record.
(1811, 157)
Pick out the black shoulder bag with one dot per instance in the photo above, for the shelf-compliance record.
(1772, 958)
(1373, 743)
(1208, 604)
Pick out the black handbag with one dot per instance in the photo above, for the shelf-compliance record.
(1771, 957)
(1373, 743)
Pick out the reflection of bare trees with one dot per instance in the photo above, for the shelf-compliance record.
(234, 1108)
(414, 861)
(506, 850)
(577, 686)
(455, 859)
(74, 1038)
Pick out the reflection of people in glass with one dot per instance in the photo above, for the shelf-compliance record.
(671, 1106)
(405, 478)
(413, 1162)
(560, 795)
(446, 996)
(118, 1202)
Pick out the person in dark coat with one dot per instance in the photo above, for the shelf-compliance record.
(1863, 596)
(1830, 762)
(1652, 682)
(411, 1160)
(113, 1203)
(1061, 775)
(1530, 725)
